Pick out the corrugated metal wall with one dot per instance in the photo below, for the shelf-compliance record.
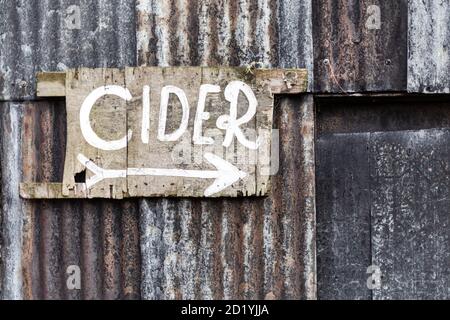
(248, 248)
(352, 53)
(161, 248)
(429, 46)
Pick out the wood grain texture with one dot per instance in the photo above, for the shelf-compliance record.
(110, 113)
(57, 35)
(108, 120)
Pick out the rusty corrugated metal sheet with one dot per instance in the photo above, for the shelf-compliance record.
(355, 53)
(234, 248)
(101, 237)
(11, 204)
(230, 248)
(429, 46)
(52, 35)
(225, 32)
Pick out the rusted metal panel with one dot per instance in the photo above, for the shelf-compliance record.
(227, 248)
(429, 46)
(100, 237)
(267, 33)
(234, 248)
(240, 248)
(54, 35)
(295, 39)
(360, 45)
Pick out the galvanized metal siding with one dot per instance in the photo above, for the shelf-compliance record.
(46, 35)
(101, 237)
(225, 32)
(11, 204)
(354, 54)
(266, 246)
(429, 46)
(295, 41)
(389, 208)
(234, 248)
(240, 248)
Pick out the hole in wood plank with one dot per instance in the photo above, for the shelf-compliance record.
(80, 177)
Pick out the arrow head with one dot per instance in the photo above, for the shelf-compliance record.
(228, 174)
(96, 170)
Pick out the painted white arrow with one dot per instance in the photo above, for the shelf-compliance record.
(225, 175)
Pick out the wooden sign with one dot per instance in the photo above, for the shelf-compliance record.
(181, 131)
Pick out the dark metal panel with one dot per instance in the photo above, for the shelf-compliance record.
(100, 237)
(50, 35)
(429, 46)
(240, 248)
(410, 218)
(383, 113)
(397, 184)
(359, 45)
(343, 216)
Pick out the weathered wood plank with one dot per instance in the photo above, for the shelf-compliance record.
(108, 120)
(52, 190)
(112, 118)
(280, 81)
(51, 84)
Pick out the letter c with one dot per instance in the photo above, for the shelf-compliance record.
(89, 135)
